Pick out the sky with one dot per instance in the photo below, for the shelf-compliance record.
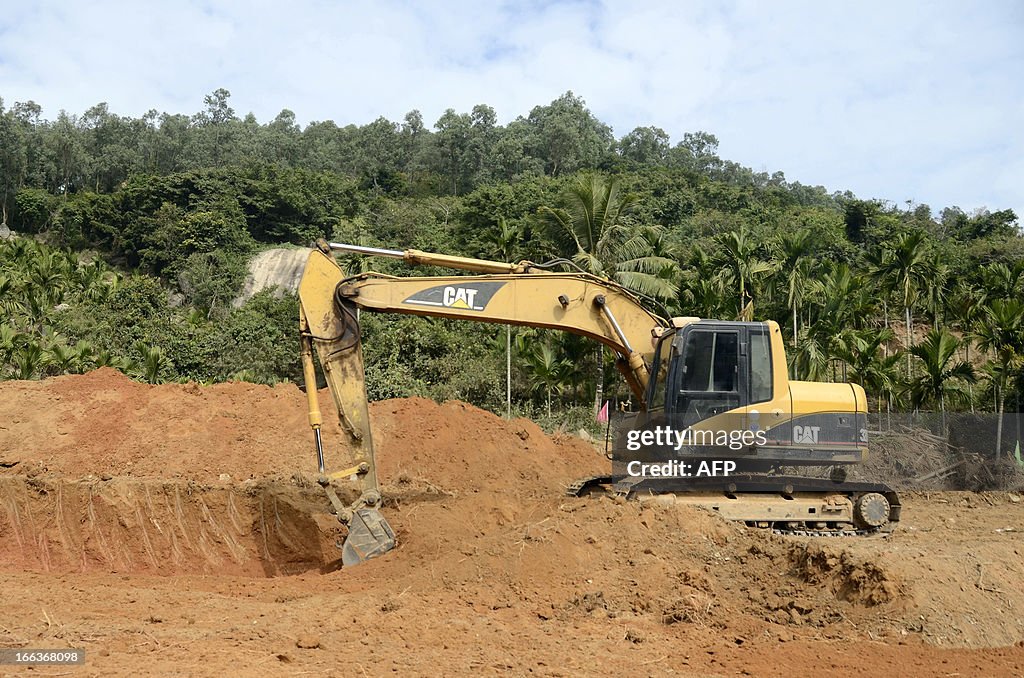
(899, 100)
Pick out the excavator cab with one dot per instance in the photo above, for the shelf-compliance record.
(709, 368)
(732, 376)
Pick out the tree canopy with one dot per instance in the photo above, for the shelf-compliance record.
(135, 231)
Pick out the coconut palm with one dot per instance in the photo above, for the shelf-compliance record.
(653, 269)
(590, 227)
(589, 222)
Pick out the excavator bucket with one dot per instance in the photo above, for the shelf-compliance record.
(369, 536)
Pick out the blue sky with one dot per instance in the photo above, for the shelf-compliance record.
(920, 101)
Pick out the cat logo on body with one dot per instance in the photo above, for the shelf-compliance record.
(473, 297)
(805, 434)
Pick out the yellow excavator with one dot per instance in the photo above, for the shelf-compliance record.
(719, 420)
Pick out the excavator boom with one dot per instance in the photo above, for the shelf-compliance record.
(516, 294)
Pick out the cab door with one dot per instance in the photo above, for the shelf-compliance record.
(757, 411)
(710, 378)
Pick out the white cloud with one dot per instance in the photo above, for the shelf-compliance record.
(913, 100)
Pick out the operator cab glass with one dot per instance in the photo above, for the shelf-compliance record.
(712, 368)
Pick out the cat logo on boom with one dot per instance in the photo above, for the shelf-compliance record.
(473, 297)
(459, 297)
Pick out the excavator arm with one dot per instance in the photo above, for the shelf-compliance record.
(517, 294)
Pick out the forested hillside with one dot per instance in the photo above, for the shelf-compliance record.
(132, 236)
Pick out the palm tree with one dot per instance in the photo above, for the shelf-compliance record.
(106, 359)
(905, 270)
(85, 355)
(62, 359)
(547, 371)
(590, 226)
(29, 360)
(793, 251)
(877, 373)
(50, 273)
(739, 255)
(837, 309)
(652, 268)
(967, 309)
(1002, 281)
(1002, 333)
(589, 223)
(942, 379)
(155, 363)
(702, 287)
(9, 297)
(935, 291)
(10, 339)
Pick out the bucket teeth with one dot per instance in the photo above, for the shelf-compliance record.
(369, 536)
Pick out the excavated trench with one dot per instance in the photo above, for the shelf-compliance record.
(124, 525)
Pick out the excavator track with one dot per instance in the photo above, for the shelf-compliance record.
(876, 531)
(775, 503)
(583, 485)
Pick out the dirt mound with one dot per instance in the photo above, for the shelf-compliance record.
(179, 460)
(465, 449)
(848, 577)
(104, 424)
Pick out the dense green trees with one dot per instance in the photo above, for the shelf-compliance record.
(148, 222)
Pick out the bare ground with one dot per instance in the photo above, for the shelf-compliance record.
(175, 530)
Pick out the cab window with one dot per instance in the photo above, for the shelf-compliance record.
(710, 362)
(708, 380)
(760, 367)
